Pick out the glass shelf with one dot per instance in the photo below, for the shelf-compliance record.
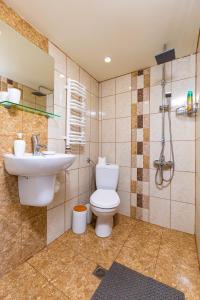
(8, 104)
(183, 110)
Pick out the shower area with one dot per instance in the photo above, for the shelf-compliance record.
(161, 164)
(172, 142)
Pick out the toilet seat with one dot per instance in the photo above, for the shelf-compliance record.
(105, 199)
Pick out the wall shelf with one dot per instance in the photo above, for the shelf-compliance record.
(9, 105)
(183, 110)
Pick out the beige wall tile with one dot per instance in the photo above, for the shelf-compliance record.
(55, 223)
(124, 179)
(87, 129)
(155, 98)
(108, 131)
(94, 87)
(83, 180)
(124, 207)
(108, 107)
(108, 150)
(184, 152)
(94, 103)
(182, 216)
(108, 88)
(94, 137)
(72, 69)
(183, 187)
(59, 59)
(123, 105)
(59, 89)
(183, 67)
(85, 79)
(71, 184)
(123, 130)
(159, 212)
(56, 126)
(94, 152)
(123, 84)
(83, 155)
(183, 128)
(156, 128)
(68, 212)
(56, 145)
(123, 154)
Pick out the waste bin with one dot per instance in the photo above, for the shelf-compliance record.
(79, 219)
(89, 213)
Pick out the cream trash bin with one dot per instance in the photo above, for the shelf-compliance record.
(79, 221)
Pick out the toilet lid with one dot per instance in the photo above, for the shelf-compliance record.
(105, 199)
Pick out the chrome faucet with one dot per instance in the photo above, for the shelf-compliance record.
(36, 144)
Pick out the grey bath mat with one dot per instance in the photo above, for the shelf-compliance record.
(122, 283)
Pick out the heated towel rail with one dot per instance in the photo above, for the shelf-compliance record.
(76, 113)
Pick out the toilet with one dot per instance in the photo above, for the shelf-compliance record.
(105, 200)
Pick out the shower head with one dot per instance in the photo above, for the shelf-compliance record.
(38, 94)
(165, 56)
(42, 91)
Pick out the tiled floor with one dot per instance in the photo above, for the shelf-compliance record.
(64, 269)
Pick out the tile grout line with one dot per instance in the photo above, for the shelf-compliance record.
(49, 281)
(158, 253)
(123, 245)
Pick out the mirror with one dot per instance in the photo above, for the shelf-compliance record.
(26, 67)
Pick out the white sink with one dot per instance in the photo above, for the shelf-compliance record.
(37, 175)
(37, 165)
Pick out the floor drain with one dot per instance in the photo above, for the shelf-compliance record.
(99, 272)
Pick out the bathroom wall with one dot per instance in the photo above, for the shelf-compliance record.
(115, 132)
(78, 182)
(198, 152)
(128, 109)
(23, 228)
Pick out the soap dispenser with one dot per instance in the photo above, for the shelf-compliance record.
(19, 145)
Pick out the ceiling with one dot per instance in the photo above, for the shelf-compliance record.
(131, 32)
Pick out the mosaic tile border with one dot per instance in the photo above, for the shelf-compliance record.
(140, 140)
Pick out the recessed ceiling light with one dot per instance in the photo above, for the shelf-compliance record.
(107, 59)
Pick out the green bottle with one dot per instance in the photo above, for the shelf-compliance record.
(189, 101)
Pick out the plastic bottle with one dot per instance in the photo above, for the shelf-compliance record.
(189, 101)
(19, 145)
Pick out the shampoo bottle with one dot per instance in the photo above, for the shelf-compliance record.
(19, 145)
(189, 101)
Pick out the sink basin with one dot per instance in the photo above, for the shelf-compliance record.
(37, 175)
(40, 165)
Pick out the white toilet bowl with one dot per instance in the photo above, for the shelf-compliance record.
(104, 204)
